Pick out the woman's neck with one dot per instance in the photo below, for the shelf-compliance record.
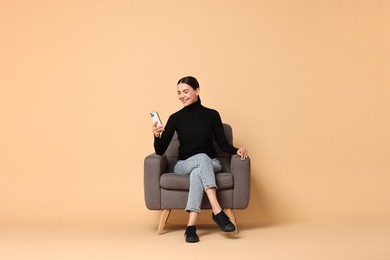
(194, 105)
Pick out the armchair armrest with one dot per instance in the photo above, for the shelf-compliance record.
(154, 166)
(241, 171)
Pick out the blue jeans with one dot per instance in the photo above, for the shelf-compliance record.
(201, 169)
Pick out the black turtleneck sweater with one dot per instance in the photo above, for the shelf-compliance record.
(196, 126)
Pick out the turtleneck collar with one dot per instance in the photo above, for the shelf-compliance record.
(194, 105)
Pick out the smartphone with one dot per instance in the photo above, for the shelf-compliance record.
(156, 118)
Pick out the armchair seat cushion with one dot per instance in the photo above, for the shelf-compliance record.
(172, 181)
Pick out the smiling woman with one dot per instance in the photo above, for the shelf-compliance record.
(197, 127)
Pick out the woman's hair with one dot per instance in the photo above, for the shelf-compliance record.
(189, 80)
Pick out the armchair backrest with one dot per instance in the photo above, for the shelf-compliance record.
(172, 151)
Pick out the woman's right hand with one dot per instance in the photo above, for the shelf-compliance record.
(157, 130)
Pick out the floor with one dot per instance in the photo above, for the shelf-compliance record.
(314, 241)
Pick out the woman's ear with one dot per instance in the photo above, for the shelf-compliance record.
(197, 91)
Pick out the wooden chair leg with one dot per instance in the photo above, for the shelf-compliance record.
(230, 214)
(163, 219)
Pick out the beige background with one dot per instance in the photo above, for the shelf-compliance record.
(305, 85)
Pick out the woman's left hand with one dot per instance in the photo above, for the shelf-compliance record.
(243, 153)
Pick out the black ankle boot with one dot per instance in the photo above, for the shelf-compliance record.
(190, 235)
(223, 222)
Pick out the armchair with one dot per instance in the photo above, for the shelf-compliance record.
(165, 190)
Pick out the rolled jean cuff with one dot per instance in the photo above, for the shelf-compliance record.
(193, 210)
(210, 186)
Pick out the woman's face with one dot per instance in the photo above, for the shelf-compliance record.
(187, 95)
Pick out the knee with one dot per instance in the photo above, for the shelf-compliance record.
(202, 157)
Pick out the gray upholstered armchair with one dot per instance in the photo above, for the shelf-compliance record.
(165, 190)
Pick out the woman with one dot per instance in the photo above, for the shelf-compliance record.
(196, 127)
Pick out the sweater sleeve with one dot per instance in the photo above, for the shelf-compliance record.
(219, 135)
(161, 143)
